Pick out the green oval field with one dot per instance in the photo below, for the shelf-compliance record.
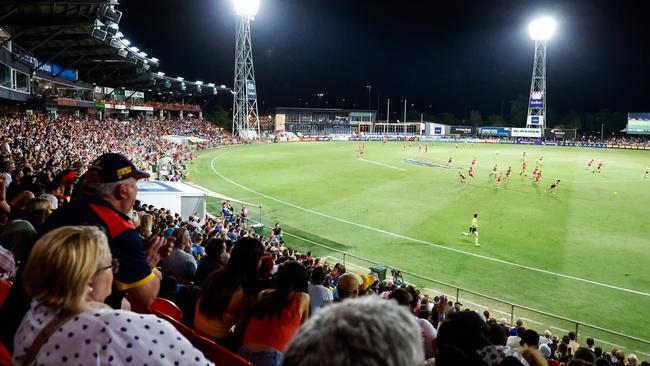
(581, 252)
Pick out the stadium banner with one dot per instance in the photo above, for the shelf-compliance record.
(494, 131)
(536, 99)
(525, 132)
(560, 134)
(462, 130)
(140, 108)
(638, 124)
(535, 120)
(251, 90)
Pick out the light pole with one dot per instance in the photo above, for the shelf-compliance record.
(245, 118)
(540, 30)
(369, 87)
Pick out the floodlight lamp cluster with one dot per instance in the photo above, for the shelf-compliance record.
(542, 29)
(246, 7)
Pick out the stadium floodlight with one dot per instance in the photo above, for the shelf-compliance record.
(159, 73)
(198, 82)
(126, 42)
(134, 49)
(153, 59)
(142, 54)
(119, 35)
(542, 28)
(245, 117)
(180, 78)
(247, 8)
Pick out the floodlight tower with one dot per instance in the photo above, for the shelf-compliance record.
(245, 118)
(540, 30)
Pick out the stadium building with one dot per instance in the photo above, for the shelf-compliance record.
(320, 121)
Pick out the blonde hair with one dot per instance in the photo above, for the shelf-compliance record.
(37, 210)
(62, 263)
(146, 225)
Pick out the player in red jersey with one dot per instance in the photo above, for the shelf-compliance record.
(590, 163)
(461, 177)
(499, 179)
(523, 169)
(473, 162)
(470, 173)
(538, 177)
(494, 170)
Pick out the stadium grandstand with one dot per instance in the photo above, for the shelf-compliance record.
(91, 273)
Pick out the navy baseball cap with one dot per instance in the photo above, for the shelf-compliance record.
(112, 167)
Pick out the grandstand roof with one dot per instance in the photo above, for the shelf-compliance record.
(84, 35)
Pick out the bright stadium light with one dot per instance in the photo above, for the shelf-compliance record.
(180, 78)
(134, 49)
(142, 54)
(542, 28)
(246, 7)
(126, 42)
(160, 73)
(119, 35)
(153, 59)
(198, 82)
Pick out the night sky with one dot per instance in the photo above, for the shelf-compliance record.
(441, 56)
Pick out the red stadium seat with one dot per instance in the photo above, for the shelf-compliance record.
(218, 354)
(5, 356)
(166, 307)
(186, 331)
(5, 286)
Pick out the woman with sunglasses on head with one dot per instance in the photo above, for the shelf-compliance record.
(68, 275)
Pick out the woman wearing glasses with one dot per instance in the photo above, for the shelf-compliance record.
(68, 275)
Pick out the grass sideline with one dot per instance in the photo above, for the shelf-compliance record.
(584, 230)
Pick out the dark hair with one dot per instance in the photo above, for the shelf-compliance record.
(240, 272)
(529, 337)
(498, 335)
(475, 215)
(459, 337)
(402, 296)
(590, 341)
(598, 351)
(604, 362)
(572, 335)
(214, 247)
(292, 276)
(318, 276)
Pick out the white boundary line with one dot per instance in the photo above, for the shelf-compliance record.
(381, 164)
(438, 246)
(497, 310)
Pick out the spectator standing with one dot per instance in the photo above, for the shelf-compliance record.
(215, 258)
(227, 296)
(276, 316)
(319, 295)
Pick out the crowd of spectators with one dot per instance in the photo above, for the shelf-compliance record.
(87, 259)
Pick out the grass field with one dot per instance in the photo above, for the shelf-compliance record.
(581, 253)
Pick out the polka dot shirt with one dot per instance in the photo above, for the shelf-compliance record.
(106, 337)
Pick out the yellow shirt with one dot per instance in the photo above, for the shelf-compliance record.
(220, 328)
(475, 222)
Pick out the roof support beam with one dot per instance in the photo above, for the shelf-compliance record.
(31, 51)
(9, 13)
(53, 57)
(13, 36)
(83, 77)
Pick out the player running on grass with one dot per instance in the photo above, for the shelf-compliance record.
(598, 168)
(494, 170)
(449, 161)
(553, 187)
(538, 177)
(590, 164)
(470, 173)
(523, 156)
(523, 169)
(499, 180)
(508, 173)
(647, 172)
(541, 160)
(461, 177)
(473, 230)
(534, 174)
(473, 162)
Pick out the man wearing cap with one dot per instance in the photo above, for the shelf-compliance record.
(108, 195)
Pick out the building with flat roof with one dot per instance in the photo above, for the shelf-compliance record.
(321, 121)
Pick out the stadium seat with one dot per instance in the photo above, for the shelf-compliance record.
(5, 286)
(166, 307)
(217, 353)
(186, 331)
(5, 356)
